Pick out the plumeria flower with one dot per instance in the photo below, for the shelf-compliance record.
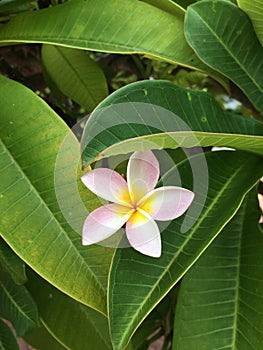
(134, 202)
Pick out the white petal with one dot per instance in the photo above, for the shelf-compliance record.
(104, 222)
(143, 234)
(142, 174)
(107, 184)
(167, 203)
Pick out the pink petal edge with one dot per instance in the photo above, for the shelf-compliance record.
(103, 222)
(107, 184)
(167, 203)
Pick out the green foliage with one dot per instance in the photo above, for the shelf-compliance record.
(43, 239)
(17, 305)
(75, 74)
(217, 292)
(7, 339)
(12, 264)
(254, 8)
(205, 291)
(203, 27)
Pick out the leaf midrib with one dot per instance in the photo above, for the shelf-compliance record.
(34, 190)
(87, 88)
(235, 58)
(13, 302)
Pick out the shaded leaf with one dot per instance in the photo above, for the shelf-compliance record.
(17, 305)
(231, 46)
(220, 302)
(7, 338)
(75, 74)
(41, 339)
(61, 315)
(12, 263)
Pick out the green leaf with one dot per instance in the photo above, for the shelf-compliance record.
(231, 47)
(168, 6)
(7, 338)
(17, 305)
(12, 263)
(41, 339)
(159, 114)
(61, 315)
(220, 304)
(119, 27)
(38, 180)
(75, 74)
(254, 9)
(137, 282)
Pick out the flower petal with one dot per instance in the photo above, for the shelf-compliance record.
(143, 234)
(107, 184)
(167, 203)
(103, 222)
(142, 174)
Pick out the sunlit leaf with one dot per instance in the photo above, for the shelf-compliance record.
(160, 114)
(119, 27)
(31, 219)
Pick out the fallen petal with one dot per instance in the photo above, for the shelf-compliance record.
(143, 234)
(107, 184)
(104, 222)
(142, 174)
(167, 203)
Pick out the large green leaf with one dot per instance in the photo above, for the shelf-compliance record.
(7, 338)
(17, 305)
(75, 74)
(137, 282)
(73, 324)
(220, 303)
(119, 27)
(128, 119)
(254, 8)
(12, 263)
(231, 46)
(31, 219)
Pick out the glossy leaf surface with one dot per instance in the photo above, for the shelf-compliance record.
(231, 46)
(119, 27)
(220, 302)
(160, 114)
(31, 219)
